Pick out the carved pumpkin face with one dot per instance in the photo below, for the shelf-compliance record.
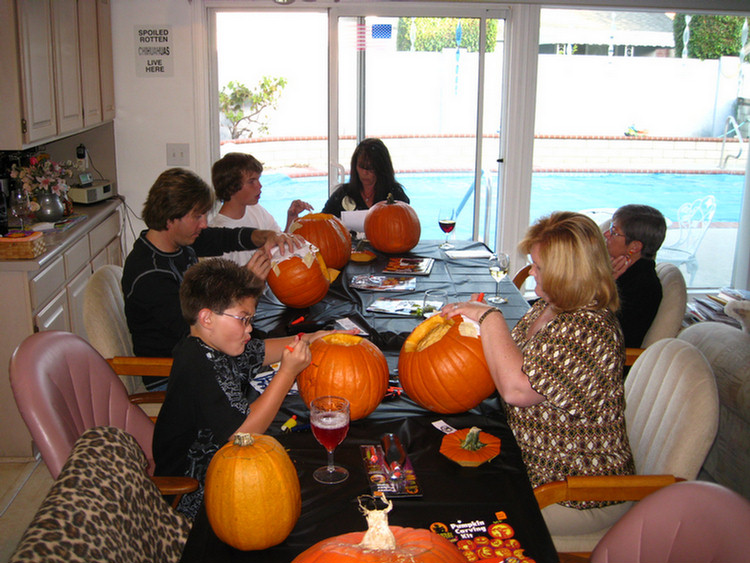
(392, 226)
(252, 494)
(442, 366)
(346, 366)
(329, 234)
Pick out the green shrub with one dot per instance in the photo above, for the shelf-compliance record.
(711, 37)
(245, 108)
(436, 34)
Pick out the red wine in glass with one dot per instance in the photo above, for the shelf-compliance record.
(329, 419)
(447, 223)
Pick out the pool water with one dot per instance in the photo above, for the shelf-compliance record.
(549, 192)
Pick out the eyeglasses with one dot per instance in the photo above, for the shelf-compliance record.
(614, 233)
(245, 320)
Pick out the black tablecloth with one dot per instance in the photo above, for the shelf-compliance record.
(450, 493)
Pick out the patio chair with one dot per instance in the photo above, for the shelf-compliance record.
(693, 219)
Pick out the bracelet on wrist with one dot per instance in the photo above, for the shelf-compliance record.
(486, 314)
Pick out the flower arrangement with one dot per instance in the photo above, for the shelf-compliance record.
(44, 175)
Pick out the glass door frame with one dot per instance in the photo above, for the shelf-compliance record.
(413, 9)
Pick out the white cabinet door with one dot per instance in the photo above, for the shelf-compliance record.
(89, 39)
(35, 44)
(106, 68)
(75, 290)
(67, 66)
(55, 316)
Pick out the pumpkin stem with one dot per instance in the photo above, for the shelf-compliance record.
(378, 534)
(471, 441)
(389, 199)
(243, 439)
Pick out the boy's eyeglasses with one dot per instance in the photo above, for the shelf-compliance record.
(245, 320)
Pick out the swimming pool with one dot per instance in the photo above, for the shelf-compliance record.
(549, 192)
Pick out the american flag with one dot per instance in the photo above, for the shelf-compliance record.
(373, 35)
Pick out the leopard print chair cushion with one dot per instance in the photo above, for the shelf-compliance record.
(103, 507)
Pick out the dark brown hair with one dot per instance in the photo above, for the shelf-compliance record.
(175, 193)
(227, 173)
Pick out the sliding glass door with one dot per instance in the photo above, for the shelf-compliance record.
(309, 84)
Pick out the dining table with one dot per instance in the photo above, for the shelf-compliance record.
(488, 511)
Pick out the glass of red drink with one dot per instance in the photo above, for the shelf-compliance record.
(447, 222)
(329, 419)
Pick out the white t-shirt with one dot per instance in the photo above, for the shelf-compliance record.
(255, 216)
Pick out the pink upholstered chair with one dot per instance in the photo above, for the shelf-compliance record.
(694, 521)
(63, 387)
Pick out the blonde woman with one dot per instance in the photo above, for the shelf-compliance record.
(559, 370)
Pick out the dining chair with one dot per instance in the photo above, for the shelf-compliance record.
(107, 331)
(671, 312)
(521, 275)
(693, 218)
(694, 521)
(671, 414)
(62, 387)
(104, 507)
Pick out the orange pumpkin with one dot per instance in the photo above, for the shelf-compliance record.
(442, 366)
(252, 493)
(392, 226)
(347, 366)
(383, 544)
(299, 281)
(470, 447)
(329, 234)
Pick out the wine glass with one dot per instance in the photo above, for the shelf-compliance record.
(329, 418)
(20, 207)
(447, 222)
(499, 264)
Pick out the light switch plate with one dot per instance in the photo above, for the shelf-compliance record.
(178, 154)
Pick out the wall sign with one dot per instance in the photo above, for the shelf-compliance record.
(153, 50)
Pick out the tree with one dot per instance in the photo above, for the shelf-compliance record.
(244, 108)
(436, 34)
(711, 37)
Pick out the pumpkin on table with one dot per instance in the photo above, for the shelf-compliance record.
(299, 279)
(346, 366)
(442, 366)
(392, 226)
(470, 447)
(329, 234)
(383, 544)
(252, 493)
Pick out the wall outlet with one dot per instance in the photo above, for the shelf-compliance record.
(178, 154)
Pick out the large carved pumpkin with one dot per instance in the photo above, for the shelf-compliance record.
(392, 226)
(252, 493)
(329, 234)
(347, 366)
(299, 280)
(383, 544)
(442, 366)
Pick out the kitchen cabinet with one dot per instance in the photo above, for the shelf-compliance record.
(56, 63)
(46, 293)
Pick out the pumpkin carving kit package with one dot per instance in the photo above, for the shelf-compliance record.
(389, 470)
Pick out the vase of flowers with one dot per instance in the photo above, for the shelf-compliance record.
(46, 183)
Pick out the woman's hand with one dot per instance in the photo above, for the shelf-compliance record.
(620, 264)
(471, 309)
(259, 264)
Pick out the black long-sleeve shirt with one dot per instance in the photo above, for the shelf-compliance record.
(640, 294)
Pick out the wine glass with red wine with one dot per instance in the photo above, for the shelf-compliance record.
(329, 419)
(447, 222)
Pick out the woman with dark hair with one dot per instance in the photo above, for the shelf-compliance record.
(559, 371)
(634, 237)
(371, 180)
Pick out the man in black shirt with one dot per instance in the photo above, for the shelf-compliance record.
(175, 213)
